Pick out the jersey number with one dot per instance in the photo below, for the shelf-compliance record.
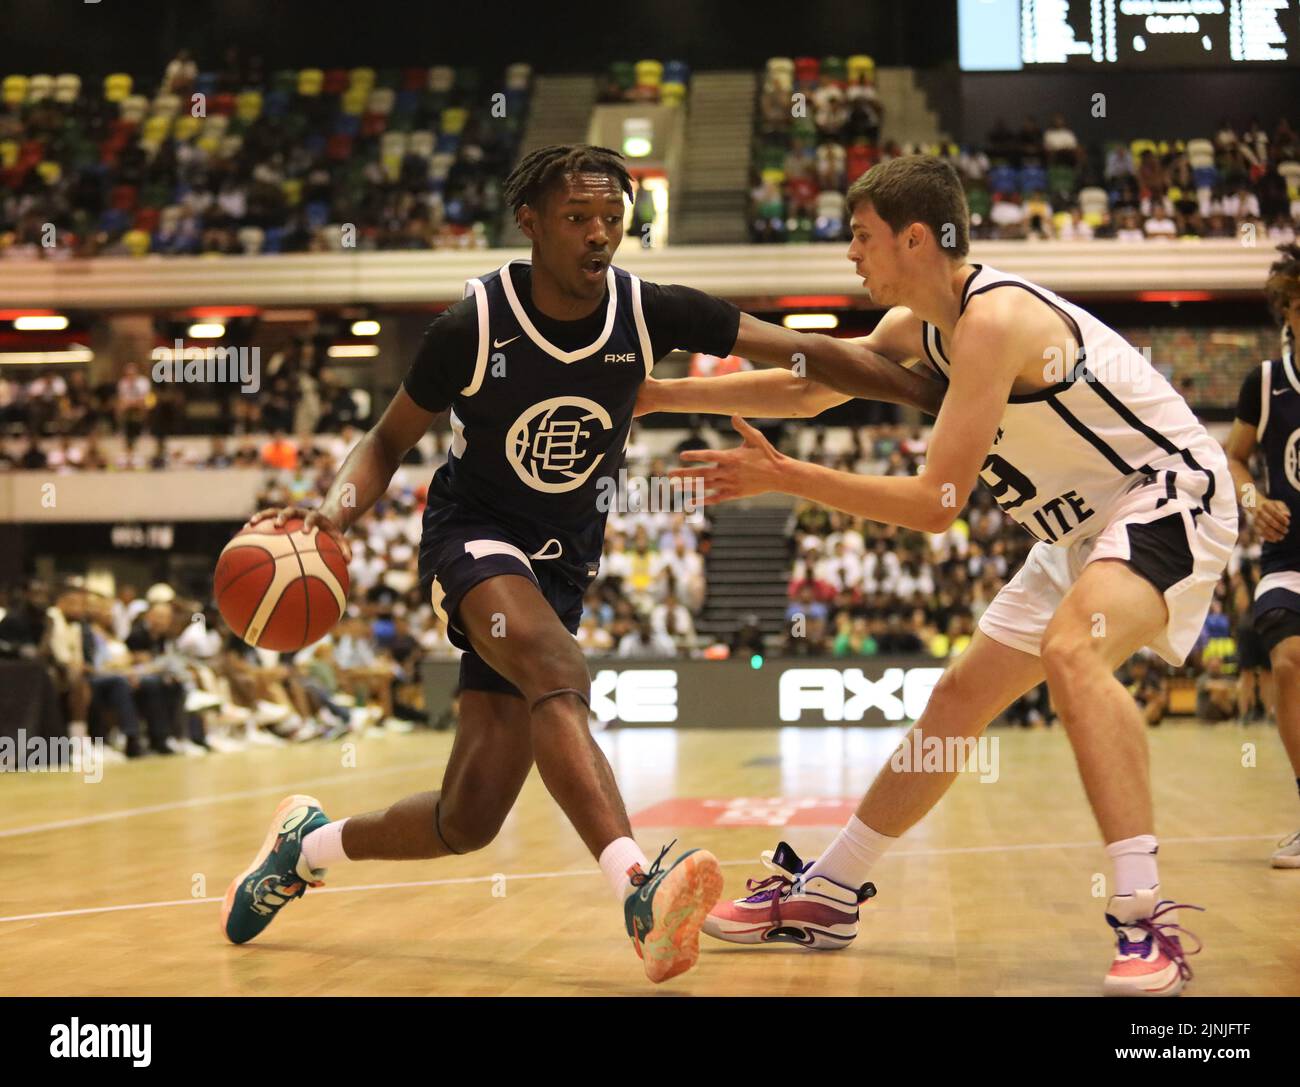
(1002, 476)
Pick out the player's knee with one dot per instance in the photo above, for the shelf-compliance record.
(1286, 665)
(468, 831)
(553, 664)
(1065, 654)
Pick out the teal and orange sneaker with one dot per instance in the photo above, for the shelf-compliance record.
(665, 910)
(278, 874)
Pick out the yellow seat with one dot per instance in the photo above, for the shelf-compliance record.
(117, 86)
(186, 127)
(353, 101)
(361, 78)
(209, 144)
(861, 66)
(49, 172)
(137, 241)
(392, 166)
(453, 120)
(310, 81)
(1138, 146)
(672, 94)
(14, 90)
(156, 129)
(248, 105)
(8, 153)
(649, 73)
(292, 189)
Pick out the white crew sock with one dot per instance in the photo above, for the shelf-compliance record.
(616, 860)
(848, 860)
(1135, 863)
(324, 845)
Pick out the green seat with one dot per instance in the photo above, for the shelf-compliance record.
(286, 80)
(623, 73)
(834, 70)
(467, 80)
(388, 77)
(980, 202)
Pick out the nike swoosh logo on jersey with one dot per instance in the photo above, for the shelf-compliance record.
(502, 343)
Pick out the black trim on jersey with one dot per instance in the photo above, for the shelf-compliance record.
(965, 290)
(938, 342)
(1170, 492)
(1074, 325)
(1118, 462)
(925, 346)
(1120, 409)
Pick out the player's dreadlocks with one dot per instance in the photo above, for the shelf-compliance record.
(539, 170)
(1283, 285)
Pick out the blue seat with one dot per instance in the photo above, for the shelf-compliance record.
(347, 124)
(1033, 178)
(273, 239)
(317, 213)
(1003, 180)
(1205, 177)
(447, 144)
(676, 71)
(275, 104)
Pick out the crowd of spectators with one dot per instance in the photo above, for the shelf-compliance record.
(819, 130)
(275, 162)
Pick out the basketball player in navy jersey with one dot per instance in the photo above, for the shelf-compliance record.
(1268, 419)
(540, 366)
(1093, 452)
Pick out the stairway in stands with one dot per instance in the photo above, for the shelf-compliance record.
(747, 570)
(560, 112)
(711, 198)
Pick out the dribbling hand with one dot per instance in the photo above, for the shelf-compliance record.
(312, 520)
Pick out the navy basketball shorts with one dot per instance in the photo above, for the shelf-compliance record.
(1275, 626)
(462, 550)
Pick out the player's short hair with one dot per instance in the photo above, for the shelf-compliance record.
(917, 189)
(1283, 282)
(541, 170)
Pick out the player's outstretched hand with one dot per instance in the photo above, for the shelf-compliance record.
(1273, 519)
(752, 468)
(312, 520)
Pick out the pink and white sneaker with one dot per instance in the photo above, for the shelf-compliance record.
(790, 907)
(1150, 960)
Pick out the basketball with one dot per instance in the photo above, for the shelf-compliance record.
(281, 588)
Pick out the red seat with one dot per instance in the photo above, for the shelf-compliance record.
(807, 69)
(414, 79)
(146, 219)
(335, 81)
(373, 124)
(339, 147)
(123, 197)
(222, 103)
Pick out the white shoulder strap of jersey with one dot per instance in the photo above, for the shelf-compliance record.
(1265, 395)
(476, 288)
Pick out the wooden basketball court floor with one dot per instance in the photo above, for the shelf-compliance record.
(114, 888)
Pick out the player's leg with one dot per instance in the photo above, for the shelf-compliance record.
(1110, 612)
(517, 632)
(1285, 659)
(816, 903)
(490, 759)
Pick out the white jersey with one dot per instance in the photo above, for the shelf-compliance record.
(1065, 456)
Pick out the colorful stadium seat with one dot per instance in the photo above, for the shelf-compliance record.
(40, 87)
(116, 86)
(67, 88)
(861, 66)
(310, 82)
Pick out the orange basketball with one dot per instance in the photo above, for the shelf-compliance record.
(280, 588)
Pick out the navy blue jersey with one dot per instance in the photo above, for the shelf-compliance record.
(1270, 402)
(540, 408)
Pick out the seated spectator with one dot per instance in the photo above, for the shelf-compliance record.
(1149, 686)
(853, 639)
(1216, 694)
(1159, 225)
(644, 642)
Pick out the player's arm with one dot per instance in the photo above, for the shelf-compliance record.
(797, 393)
(366, 473)
(1271, 517)
(988, 350)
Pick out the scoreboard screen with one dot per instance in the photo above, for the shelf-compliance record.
(1012, 35)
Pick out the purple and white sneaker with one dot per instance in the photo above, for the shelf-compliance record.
(791, 907)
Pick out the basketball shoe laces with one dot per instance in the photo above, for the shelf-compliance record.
(1162, 932)
(273, 892)
(640, 879)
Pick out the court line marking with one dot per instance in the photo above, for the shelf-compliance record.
(217, 798)
(461, 880)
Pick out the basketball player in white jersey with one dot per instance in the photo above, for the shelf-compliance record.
(1095, 454)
